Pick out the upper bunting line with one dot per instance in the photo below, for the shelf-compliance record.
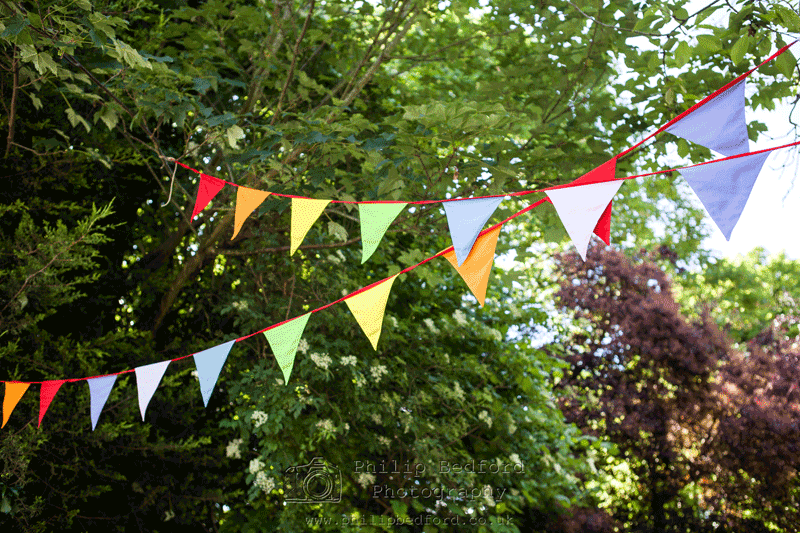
(527, 192)
(432, 257)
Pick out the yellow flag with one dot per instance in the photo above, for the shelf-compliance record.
(369, 307)
(247, 200)
(475, 270)
(305, 211)
(14, 392)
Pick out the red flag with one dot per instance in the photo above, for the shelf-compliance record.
(46, 395)
(208, 189)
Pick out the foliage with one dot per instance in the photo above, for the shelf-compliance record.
(336, 99)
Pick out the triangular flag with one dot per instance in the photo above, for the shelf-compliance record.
(580, 209)
(369, 307)
(466, 219)
(147, 379)
(603, 227)
(14, 392)
(724, 187)
(208, 189)
(719, 124)
(209, 364)
(305, 211)
(475, 270)
(284, 341)
(375, 220)
(99, 389)
(46, 394)
(247, 200)
(601, 174)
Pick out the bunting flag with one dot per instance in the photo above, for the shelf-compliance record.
(305, 211)
(284, 340)
(99, 389)
(369, 307)
(247, 200)
(603, 227)
(724, 187)
(147, 379)
(46, 394)
(375, 220)
(466, 219)
(719, 124)
(475, 270)
(580, 209)
(209, 364)
(14, 392)
(208, 189)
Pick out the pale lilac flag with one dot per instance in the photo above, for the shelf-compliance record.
(724, 187)
(719, 124)
(579, 209)
(99, 389)
(147, 379)
(209, 363)
(466, 219)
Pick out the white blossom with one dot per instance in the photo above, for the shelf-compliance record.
(393, 320)
(259, 418)
(279, 381)
(264, 482)
(232, 450)
(484, 415)
(360, 380)
(377, 372)
(376, 418)
(515, 459)
(303, 346)
(460, 317)
(322, 360)
(384, 441)
(365, 479)
(431, 326)
(487, 495)
(349, 360)
(326, 425)
(458, 391)
(256, 466)
(512, 428)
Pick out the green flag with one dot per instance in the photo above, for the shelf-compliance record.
(375, 220)
(284, 341)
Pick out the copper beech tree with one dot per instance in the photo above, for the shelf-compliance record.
(710, 434)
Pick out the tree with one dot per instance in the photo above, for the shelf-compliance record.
(343, 100)
(709, 434)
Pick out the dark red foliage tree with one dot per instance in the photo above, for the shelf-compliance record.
(684, 408)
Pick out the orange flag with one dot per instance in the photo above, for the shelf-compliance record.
(475, 270)
(247, 200)
(14, 392)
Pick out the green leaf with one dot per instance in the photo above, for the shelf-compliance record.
(709, 43)
(337, 230)
(109, 117)
(36, 102)
(670, 96)
(789, 17)
(233, 134)
(740, 49)
(786, 63)
(682, 54)
(15, 25)
(76, 119)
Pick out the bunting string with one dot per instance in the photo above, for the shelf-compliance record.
(584, 206)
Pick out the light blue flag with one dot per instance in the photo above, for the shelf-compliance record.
(147, 379)
(209, 363)
(719, 124)
(466, 219)
(99, 389)
(724, 187)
